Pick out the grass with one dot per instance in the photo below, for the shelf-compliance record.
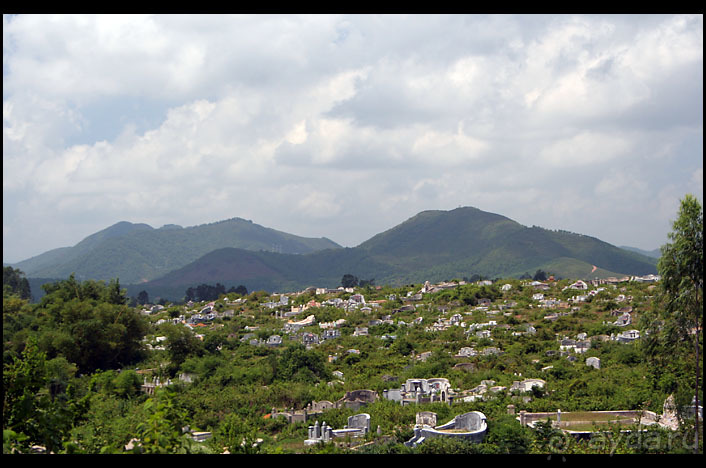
(592, 427)
(590, 416)
(588, 421)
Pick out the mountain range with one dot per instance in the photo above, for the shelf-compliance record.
(136, 253)
(434, 245)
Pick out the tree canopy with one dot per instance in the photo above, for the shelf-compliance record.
(681, 286)
(681, 268)
(16, 283)
(205, 292)
(89, 324)
(349, 281)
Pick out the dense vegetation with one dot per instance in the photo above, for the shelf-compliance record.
(72, 385)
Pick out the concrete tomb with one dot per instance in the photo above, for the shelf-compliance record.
(471, 426)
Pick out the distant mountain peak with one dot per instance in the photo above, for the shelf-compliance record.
(118, 229)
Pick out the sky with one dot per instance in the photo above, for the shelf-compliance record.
(343, 126)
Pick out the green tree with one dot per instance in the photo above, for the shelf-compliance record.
(448, 446)
(143, 297)
(160, 432)
(349, 281)
(16, 283)
(403, 346)
(60, 372)
(367, 283)
(116, 295)
(127, 384)
(238, 435)
(548, 439)
(30, 414)
(681, 286)
(540, 275)
(181, 343)
(90, 325)
(509, 436)
(298, 364)
(242, 290)
(21, 381)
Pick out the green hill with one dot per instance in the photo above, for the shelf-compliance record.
(468, 241)
(264, 271)
(433, 245)
(136, 253)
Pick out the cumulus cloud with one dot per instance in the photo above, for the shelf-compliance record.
(585, 148)
(344, 125)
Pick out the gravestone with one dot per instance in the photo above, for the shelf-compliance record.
(468, 421)
(359, 421)
(426, 418)
(669, 414)
(594, 362)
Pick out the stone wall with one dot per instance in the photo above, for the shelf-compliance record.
(317, 406)
(357, 399)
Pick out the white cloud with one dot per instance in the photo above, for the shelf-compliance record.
(622, 186)
(673, 43)
(298, 134)
(586, 148)
(447, 148)
(317, 204)
(341, 126)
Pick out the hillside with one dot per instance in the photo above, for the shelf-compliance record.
(264, 271)
(493, 245)
(433, 246)
(656, 253)
(135, 253)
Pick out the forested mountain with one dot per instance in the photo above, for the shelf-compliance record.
(468, 240)
(137, 252)
(433, 245)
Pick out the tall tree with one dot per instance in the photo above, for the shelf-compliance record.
(681, 285)
(161, 431)
(349, 281)
(205, 292)
(143, 297)
(540, 275)
(116, 295)
(181, 343)
(29, 410)
(16, 282)
(242, 290)
(90, 324)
